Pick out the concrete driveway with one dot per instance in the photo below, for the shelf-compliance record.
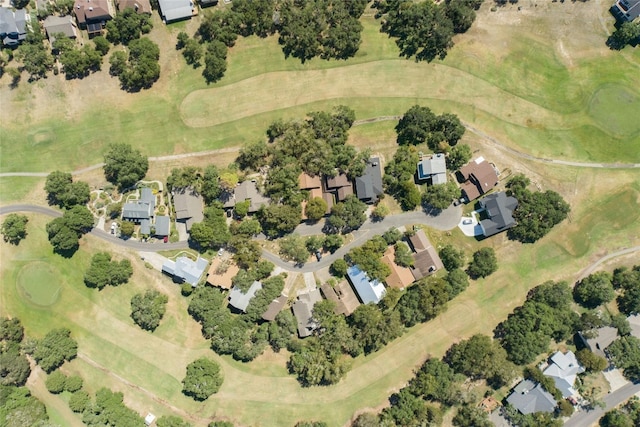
(473, 228)
(616, 379)
(153, 258)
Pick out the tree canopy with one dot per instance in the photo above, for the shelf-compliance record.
(138, 67)
(14, 228)
(56, 347)
(124, 166)
(419, 125)
(628, 282)
(148, 308)
(203, 379)
(484, 263)
(62, 191)
(103, 271)
(127, 26)
(594, 290)
(625, 354)
(64, 232)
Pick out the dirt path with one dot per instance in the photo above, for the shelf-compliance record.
(591, 268)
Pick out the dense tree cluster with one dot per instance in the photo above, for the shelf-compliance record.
(625, 354)
(35, 57)
(76, 62)
(109, 409)
(137, 67)
(148, 308)
(203, 379)
(14, 228)
(536, 213)
(213, 231)
(124, 166)
(545, 315)
(347, 215)
(14, 366)
(399, 177)
(440, 196)
(278, 220)
(424, 30)
(103, 271)
(63, 192)
(419, 125)
(271, 289)
(625, 34)
(484, 263)
(451, 257)
(54, 349)
(328, 29)
(64, 232)
(594, 290)
(367, 258)
(423, 301)
(627, 281)
(127, 26)
(627, 415)
(19, 408)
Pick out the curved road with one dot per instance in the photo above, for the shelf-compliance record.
(477, 131)
(446, 220)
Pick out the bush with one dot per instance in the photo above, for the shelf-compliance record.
(55, 382)
(186, 289)
(73, 384)
(79, 401)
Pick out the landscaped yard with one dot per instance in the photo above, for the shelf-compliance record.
(507, 77)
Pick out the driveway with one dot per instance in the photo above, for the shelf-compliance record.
(616, 379)
(153, 258)
(473, 228)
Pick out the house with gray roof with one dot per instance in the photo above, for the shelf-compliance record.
(175, 10)
(367, 290)
(564, 369)
(188, 207)
(163, 225)
(303, 312)
(13, 26)
(59, 25)
(145, 227)
(274, 308)
(369, 185)
(626, 10)
(603, 338)
(240, 300)
(247, 191)
(141, 209)
(529, 397)
(184, 269)
(499, 209)
(433, 168)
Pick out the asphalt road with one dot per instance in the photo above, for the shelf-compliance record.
(585, 419)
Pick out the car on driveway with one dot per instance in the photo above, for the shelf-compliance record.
(467, 221)
(318, 255)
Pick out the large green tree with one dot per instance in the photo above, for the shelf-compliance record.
(56, 347)
(148, 308)
(14, 228)
(347, 215)
(625, 354)
(127, 26)
(203, 379)
(484, 263)
(594, 290)
(440, 196)
(138, 68)
(103, 271)
(124, 166)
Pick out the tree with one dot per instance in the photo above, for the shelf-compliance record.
(471, 416)
(65, 231)
(192, 52)
(78, 63)
(332, 242)
(138, 69)
(277, 220)
(254, 155)
(102, 271)
(11, 330)
(403, 255)
(627, 33)
(14, 228)
(458, 156)
(215, 61)
(241, 209)
(316, 208)
(127, 26)
(102, 45)
(594, 290)
(367, 419)
(314, 243)
(79, 401)
(347, 215)
(35, 57)
(451, 257)
(124, 166)
(109, 409)
(484, 263)
(73, 383)
(62, 191)
(339, 267)
(415, 126)
(380, 212)
(210, 187)
(625, 354)
(244, 279)
(56, 347)
(457, 281)
(19, 408)
(423, 301)
(127, 228)
(148, 309)
(293, 248)
(440, 196)
(256, 17)
(591, 361)
(615, 418)
(271, 289)
(220, 26)
(55, 382)
(14, 366)
(373, 329)
(203, 379)
(183, 178)
(422, 30)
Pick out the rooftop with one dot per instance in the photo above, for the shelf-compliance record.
(174, 10)
(400, 277)
(479, 176)
(499, 209)
(240, 300)
(529, 397)
(303, 311)
(367, 290)
(369, 185)
(434, 167)
(564, 369)
(186, 269)
(274, 308)
(188, 207)
(343, 295)
(59, 24)
(163, 225)
(308, 182)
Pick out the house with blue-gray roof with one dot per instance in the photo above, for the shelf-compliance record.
(240, 300)
(184, 269)
(367, 290)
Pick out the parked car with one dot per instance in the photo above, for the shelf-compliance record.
(318, 255)
(467, 221)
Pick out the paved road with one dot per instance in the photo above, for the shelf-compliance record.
(590, 269)
(584, 419)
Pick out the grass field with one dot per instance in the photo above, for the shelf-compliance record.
(527, 78)
(37, 282)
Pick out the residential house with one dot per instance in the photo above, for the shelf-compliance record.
(478, 177)
(92, 15)
(141, 209)
(303, 312)
(145, 227)
(626, 10)
(274, 308)
(247, 191)
(342, 295)
(499, 209)
(140, 6)
(340, 185)
(162, 226)
(400, 277)
(313, 184)
(13, 26)
(369, 185)
(188, 207)
(59, 25)
(529, 397)
(426, 260)
(176, 10)
(604, 337)
(185, 269)
(367, 290)
(564, 369)
(221, 272)
(433, 168)
(240, 300)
